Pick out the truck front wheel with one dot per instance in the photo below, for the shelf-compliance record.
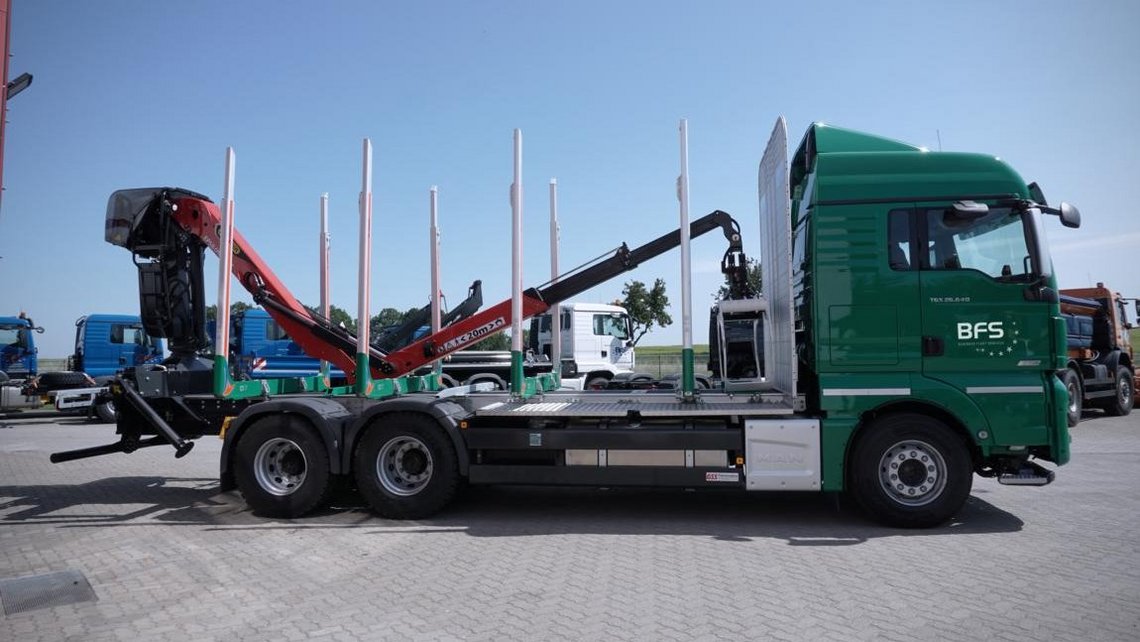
(910, 471)
(282, 467)
(406, 467)
(1072, 383)
(106, 411)
(1121, 403)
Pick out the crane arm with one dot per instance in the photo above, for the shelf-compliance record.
(538, 300)
(168, 229)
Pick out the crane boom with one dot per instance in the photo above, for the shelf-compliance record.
(168, 229)
(538, 300)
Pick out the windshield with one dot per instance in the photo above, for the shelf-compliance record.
(12, 336)
(615, 325)
(994, 244)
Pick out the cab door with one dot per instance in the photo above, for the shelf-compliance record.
(984, 332)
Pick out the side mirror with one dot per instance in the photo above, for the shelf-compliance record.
(39, 329)
(1070, 215)
(970, 210)
(1137, 302)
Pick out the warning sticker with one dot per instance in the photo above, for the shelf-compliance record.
(722, 477)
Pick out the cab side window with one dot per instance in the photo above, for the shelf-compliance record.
(899, 240)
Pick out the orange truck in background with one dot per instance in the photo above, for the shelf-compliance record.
(1101, 371)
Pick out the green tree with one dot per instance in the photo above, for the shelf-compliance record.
(386, 317)
(646, 307)
(235, 308)
(755, 279)
(498, 341)
(339, 317)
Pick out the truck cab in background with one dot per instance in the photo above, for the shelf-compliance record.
(106, 344)
(1100, 371)
(18, 348)
(260, 348)
(596, 342)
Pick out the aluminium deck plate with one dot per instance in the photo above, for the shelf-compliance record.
(625, 407)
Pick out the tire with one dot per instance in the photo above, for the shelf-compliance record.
(597, 383)
(1072, 383)
(3, 377)
(282, 467)
(106, 411)
(1121, 402)
(910, 471)
(49, 381)
(406, 467)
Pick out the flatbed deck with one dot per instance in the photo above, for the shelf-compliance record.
(647, 404)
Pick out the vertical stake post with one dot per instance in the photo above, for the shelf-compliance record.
(555, 310)
(363, 373)
(433, 237)
(324, 258)
(688, 383)
(516, 271)
(223, 386)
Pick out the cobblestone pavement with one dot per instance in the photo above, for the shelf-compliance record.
(169, 557)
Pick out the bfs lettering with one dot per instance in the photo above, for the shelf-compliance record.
(981, 330)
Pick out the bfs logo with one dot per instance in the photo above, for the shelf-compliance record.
(981, 330)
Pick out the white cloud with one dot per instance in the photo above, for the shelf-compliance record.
(1094, 243)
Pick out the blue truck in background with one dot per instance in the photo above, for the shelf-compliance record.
(105, 345)
(18, 347)
(261, 349)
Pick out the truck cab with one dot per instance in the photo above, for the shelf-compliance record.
(595, 340)
(262, 349)
(922, 282)
(18, 348)
(1101, 371)
(106, 344)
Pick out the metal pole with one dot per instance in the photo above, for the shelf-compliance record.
(433, 238)
(516, 270)
(687, 379)
(222, 385)
(555, 310)
(324, 258)
(363, 375)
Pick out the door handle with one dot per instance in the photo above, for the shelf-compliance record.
(933, 347)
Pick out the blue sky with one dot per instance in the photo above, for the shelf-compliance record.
(132, 94)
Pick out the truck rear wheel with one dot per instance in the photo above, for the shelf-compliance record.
(910, 471)
(406, 467)
(1072, 384)
(282, 467)
(1121, 403)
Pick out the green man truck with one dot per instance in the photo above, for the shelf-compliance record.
(908, 337)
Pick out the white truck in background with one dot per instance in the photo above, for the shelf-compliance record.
(596, 343)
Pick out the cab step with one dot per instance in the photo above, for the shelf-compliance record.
(1030, 474)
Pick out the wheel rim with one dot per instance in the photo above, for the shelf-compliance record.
(1124, 391)
(404, 466)
(912, 473)
(1074, 399)
(280, 466)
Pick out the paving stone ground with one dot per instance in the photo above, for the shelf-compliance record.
(171, 558)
